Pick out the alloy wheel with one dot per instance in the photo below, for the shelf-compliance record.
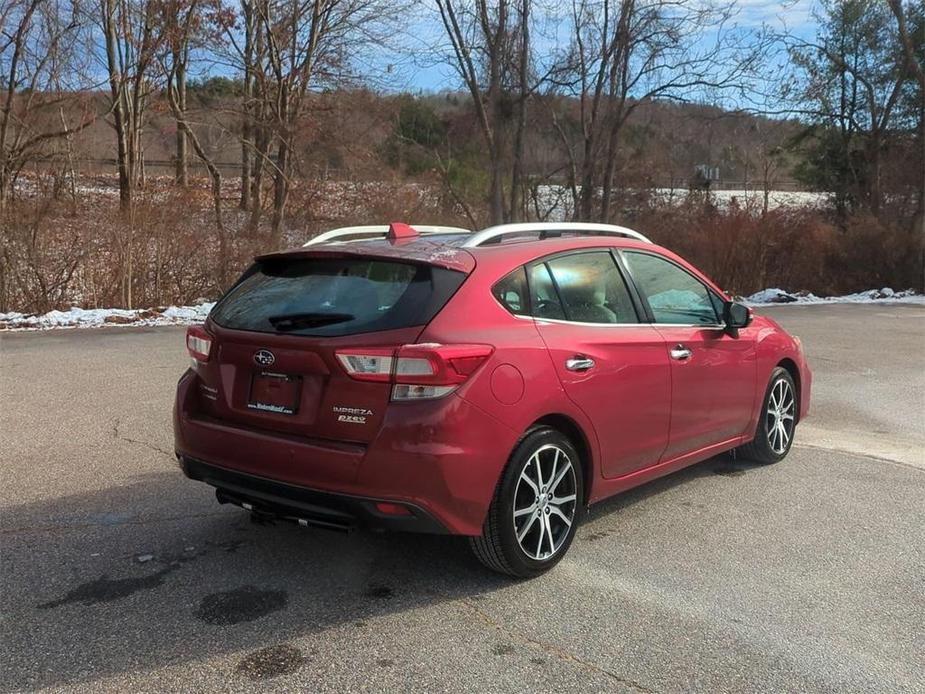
(780, 416)
(545, 500)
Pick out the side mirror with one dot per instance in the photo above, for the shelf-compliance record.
(736, 315)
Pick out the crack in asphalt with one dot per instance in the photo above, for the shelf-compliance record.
(553, 650)
(126, 439)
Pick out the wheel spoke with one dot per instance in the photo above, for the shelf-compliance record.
(552, 545)
(539, 471)
(558, 511)
(783, 431)
(559, 500)
(788, 417)
(539, 543)
(530, 483)
(555, 467)
(561, 476)
(529, 524)
(525, 511)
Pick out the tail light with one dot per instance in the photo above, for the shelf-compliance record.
(198, 343)
(416, 372)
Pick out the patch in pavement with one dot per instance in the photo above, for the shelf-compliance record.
(106, 589)
(272, 661)
(728, 471)
(503, 649)
(243, 604)
(379, 592)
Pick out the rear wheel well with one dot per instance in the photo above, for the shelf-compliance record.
(794, 372)
(573, 432)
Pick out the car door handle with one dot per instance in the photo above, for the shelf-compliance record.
(579, 363)
(680, 352)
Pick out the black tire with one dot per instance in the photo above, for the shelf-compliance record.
(498, 547)
(770, 445)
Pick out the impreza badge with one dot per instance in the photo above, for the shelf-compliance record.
(352, 415)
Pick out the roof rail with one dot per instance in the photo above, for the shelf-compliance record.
(343, 234)
(550, 229)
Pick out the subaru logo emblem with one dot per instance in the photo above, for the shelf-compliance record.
(264, 357)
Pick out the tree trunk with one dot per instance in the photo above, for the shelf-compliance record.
(280, 189)
(586, 190)
(247, 126)
(516, 210)
(182, 176)
(874, 191)
(120, 116)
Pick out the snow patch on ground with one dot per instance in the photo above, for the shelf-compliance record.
(188, 315)
(98, 317)
(886, 295)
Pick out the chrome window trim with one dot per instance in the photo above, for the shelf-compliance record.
(591, 325)
(618, 325)
(702, 326)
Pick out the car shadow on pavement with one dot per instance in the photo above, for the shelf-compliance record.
(94, 587)
(725, 465)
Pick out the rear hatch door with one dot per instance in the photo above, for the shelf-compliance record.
(277, 332)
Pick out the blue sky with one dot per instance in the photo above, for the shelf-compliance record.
(431, 75)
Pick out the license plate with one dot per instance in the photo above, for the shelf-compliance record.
(273, 392)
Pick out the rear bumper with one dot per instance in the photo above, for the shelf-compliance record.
(442, 459)
(305, 506)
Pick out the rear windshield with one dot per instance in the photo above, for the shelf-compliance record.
(334, 297)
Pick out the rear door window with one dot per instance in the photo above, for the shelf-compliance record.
(592, 289)
(336, 296)
(543, 295)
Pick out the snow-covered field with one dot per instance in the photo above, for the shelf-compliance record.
(187, 315)
(99, 317)
(886, 295)
(555, 201)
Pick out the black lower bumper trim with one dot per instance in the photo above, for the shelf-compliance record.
(306, 506)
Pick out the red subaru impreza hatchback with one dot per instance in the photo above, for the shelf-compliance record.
(490, 384)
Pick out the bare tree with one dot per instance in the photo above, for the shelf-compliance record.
(180, 27)
(916, 63)
(42, 84)
(851, 80)
(490, 50)
(131, 39)
(307, 45)
(625, 53)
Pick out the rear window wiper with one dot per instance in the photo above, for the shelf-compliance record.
(294, 321)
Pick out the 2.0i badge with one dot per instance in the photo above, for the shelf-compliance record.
(352, 415)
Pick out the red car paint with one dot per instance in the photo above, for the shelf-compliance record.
(636, 416)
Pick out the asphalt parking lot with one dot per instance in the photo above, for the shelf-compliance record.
(118, 574)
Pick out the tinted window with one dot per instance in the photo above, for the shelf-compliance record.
(543, 296)
(511, 292)
(333, 297)
(675, 296)
(592, 288)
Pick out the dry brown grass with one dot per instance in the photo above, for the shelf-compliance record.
(57, 251)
